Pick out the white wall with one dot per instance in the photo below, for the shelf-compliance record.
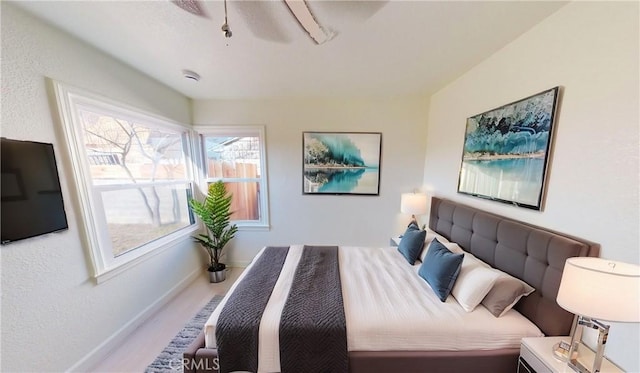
(325, 219)
(53, 314)
(591, 50)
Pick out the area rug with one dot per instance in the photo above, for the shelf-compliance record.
(170, 359)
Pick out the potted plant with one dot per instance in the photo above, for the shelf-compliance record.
(215, 215)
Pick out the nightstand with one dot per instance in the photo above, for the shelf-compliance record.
(395, 241)
(536, 356)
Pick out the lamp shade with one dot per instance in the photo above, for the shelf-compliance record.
(413, 203)
(601, 289)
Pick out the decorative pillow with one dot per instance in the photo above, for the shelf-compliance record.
(473, 283)
(413, 225)
(411, 243)
(505, 293)
(431, 235)
(440, 269)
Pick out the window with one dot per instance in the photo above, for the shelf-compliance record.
(236, 156)
(133, 176)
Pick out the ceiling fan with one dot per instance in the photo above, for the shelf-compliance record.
(264, 18)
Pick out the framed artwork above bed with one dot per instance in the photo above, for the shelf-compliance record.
(341, 163)
(506, 151)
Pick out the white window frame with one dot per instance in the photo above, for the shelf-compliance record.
(105, 265)
(219, 131)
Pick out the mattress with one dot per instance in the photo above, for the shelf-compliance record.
(388, 307)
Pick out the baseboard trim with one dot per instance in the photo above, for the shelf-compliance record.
(101, 351)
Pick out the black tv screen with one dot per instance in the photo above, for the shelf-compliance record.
(32, 202)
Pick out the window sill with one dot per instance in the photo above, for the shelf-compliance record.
(254, 227)
(160, 246)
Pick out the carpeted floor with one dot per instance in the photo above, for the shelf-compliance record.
(170, 359)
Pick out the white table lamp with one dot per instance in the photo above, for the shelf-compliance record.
(597, 290)
(414, 204)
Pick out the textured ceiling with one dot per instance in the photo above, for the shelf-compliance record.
(380, 48)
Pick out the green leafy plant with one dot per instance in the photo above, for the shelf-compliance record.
(214, 212)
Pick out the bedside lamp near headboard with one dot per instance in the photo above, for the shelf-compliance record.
(414, 204)
(597, 290)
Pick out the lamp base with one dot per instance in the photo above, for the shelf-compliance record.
(603, 333)
(561, 351)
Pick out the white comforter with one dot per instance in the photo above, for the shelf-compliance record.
(388, 307)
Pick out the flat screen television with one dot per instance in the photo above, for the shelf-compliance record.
(31, 202)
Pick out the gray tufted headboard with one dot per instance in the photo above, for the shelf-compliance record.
(533, 254)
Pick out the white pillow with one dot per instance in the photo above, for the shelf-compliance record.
(473, 283)
(454, 248)
(503, 291)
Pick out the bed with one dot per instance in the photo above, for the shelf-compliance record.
(532, 254)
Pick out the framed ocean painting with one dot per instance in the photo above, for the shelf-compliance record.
(507, 150)
(341, 163)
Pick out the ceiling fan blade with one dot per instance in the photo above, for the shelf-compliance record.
(345, 14)
(305, 18)
(264, 19)
(192, 6)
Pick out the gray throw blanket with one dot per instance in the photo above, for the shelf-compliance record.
(313, 332)
(239, 321)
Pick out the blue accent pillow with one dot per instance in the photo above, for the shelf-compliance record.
(411, 243)
(440, 269)
(413, 225)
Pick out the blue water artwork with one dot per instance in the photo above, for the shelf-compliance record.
(506, 151)
(341, 163)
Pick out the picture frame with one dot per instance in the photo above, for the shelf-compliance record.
(341, 163)
(506, 151)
